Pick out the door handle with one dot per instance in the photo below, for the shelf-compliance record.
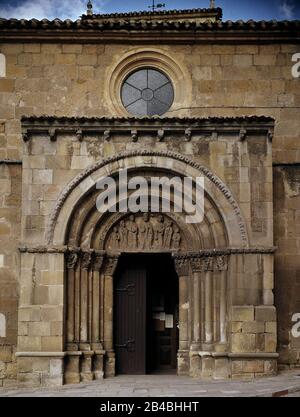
(125, 345)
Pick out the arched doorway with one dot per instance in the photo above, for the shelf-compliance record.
(146, 314)
(96, 243)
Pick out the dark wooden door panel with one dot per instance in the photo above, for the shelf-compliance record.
(130, 320)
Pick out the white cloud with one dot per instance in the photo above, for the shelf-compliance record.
(287, 9)
(50, 9)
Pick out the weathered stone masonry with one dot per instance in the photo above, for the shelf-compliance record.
(230, 70)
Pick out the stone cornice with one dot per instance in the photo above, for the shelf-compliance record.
(177, 256)
(106, 126)
(145, 30)
(226, 251)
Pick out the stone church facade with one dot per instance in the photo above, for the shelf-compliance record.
(67, 120)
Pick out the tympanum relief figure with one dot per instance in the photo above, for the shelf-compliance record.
(144, 232)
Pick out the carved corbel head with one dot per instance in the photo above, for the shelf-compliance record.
(160, 135)
(25, 134)
(188, 135)
(107, 135)
(79, 135)
(134, 135)
(242, 134)
(52, 134)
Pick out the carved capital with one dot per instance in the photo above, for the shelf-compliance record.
(197, 264)
(202, 264)
(221, 263)
(98, 261)
(110, 265)
(182, 266)
(208, 264)
(72, 259)
(86, 260)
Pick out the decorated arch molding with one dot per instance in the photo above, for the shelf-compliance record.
(83, 182)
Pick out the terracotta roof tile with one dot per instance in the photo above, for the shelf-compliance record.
(147, 25)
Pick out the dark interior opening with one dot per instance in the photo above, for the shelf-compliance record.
(146, 314)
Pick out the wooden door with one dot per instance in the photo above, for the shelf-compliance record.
(130, 320)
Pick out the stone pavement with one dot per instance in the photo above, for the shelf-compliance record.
(285, 384)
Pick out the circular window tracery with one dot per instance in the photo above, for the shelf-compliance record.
(147, 92)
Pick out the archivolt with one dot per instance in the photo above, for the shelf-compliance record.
(146, 153)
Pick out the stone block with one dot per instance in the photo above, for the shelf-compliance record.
(265, 313)
(65, 59)
(29, 343)
(221, 370)
(253, 366)
(39, 329)
(253, 327)
(56, 328)
(5, 353)
(51, 343)
(243, 342)
(270, 342)
(182, 363)
(29, 379)
(72, 49)
(207, 366)
(56, 294)
(56, 367)
(7, 85)
(242, 313)
(243, 60)
(271, 327)
(236, 326)
(51, 278)
(87, 59)
(34, 48)
(42, 176)
(53, 314)
(270, 367)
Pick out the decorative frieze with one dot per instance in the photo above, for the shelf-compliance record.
(203, 261)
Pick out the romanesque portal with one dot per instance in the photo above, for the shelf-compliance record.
(73, 269)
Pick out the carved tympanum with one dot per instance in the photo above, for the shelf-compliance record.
(144, 232)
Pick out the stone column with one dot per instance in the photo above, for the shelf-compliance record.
(71, 263)
(97, 300)
(195, 361)
(183, 270)
(222, 266)
(108, 273)
(84, 299)
(208, 316)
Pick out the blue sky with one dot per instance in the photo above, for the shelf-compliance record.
(232, 9)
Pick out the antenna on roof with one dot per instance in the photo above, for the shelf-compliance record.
(89, 8)
(212, 4)
(154, 6)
